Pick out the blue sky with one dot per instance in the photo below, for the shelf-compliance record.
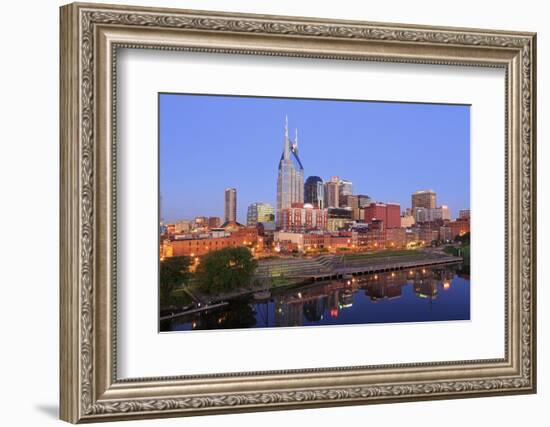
(388, 150)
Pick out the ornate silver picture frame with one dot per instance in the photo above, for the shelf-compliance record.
(91, 390)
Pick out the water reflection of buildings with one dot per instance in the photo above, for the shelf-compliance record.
(314, 310)
(320, 302)
(311, 304)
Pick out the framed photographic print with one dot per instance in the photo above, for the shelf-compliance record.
(265, 212)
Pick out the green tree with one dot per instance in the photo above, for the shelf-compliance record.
(174, 273)
(226, 269)
(464, 239)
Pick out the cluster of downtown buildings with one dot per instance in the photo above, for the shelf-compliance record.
(312, 215)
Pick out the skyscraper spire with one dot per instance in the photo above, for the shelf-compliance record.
(286, 151)
(290, 178)
(286, 125)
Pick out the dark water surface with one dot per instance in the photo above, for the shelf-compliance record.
(417, 295)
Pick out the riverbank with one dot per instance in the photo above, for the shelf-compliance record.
(273, 275)
(435, 293)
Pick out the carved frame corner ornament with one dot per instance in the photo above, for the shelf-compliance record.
(90, 36)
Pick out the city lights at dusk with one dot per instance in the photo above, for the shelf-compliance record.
(339, 193)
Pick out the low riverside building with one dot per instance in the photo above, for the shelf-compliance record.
(287, 241)
(459, 227)
(428, 235)
(314, 242)
(396, 238)
(372, 239)
(201, 244)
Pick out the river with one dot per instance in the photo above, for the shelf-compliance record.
(416, 295)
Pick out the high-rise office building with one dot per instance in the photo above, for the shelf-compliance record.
(259, 212)
(332, 192)
(230, 211)
(353, 202)
(423, 199)
(314, 192)
(345, 188)
(290, 179)
(350, 201)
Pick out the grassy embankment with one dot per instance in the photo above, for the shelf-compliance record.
(280, 275)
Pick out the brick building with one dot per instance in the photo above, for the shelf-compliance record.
(196, 246)
(389, 213)
(303, 217)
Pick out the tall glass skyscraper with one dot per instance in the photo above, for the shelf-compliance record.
(290, 180)
(345, 188)
(314, 192)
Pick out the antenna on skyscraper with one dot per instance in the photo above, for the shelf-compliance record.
(286, 125)
(287, 145)
(295, 145)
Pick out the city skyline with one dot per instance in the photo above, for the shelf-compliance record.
(241, 151)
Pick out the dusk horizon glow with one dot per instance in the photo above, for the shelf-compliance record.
(388, 150)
